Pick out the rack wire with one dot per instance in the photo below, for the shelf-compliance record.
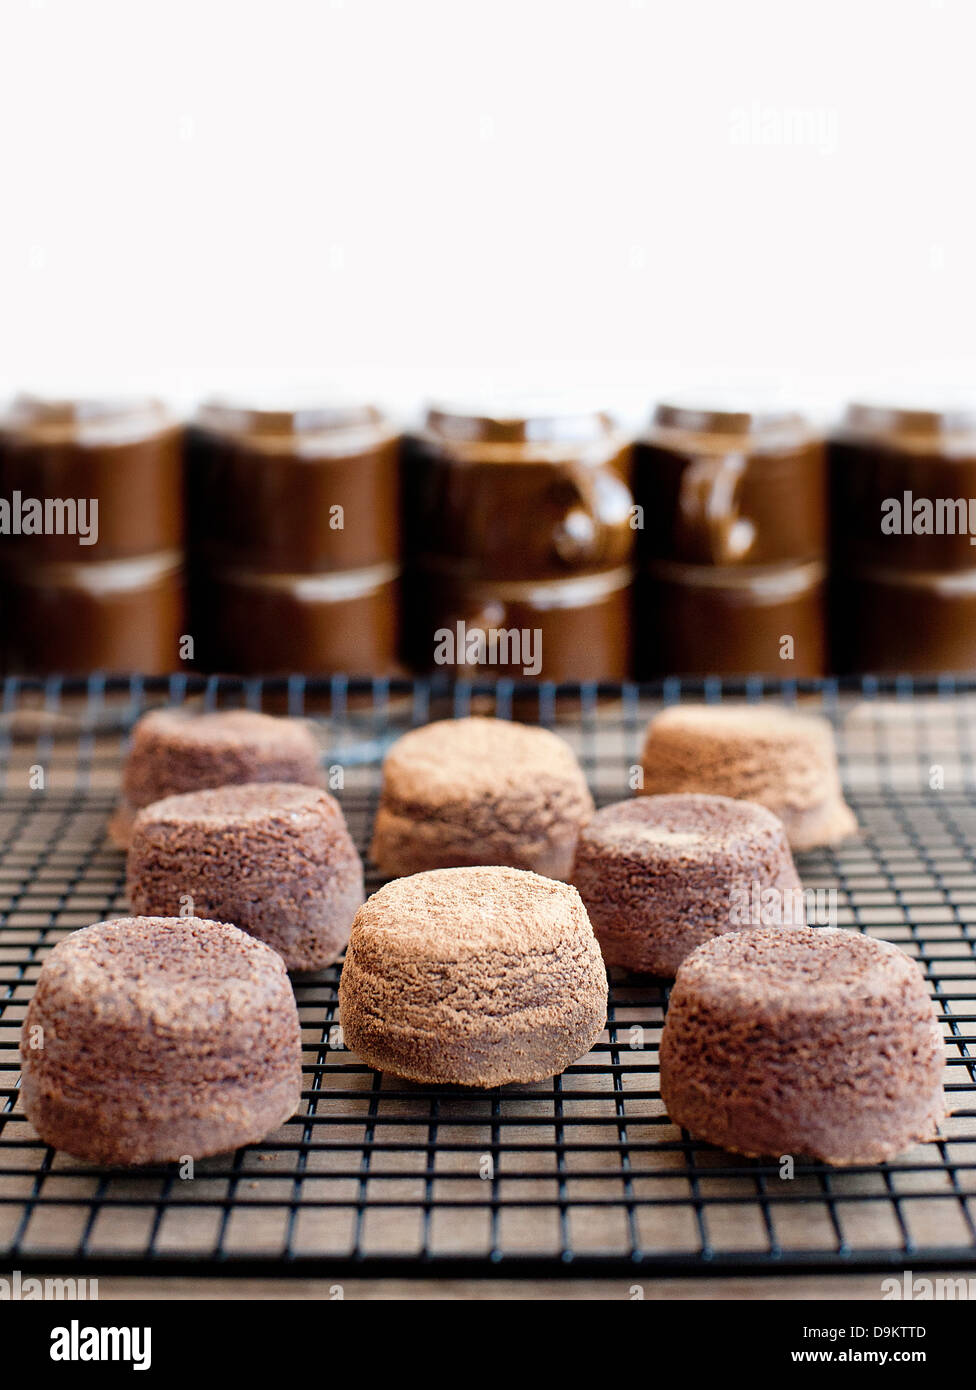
(581, 1174)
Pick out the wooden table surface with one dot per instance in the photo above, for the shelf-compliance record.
(836, 1287)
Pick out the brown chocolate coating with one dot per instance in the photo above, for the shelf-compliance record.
(161, 1038)
(803, 1041)
(699, 621)
(127, 454)
(263, 486)
(784, 761)
(729, 488)
(480, 791)
(659, 875)
(175, 751)
(274, 858)
(472, 977)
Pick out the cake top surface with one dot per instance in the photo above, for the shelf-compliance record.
(243, 804)
(459, 914)
(457, 759)
(770, 969)
(231, 729)
(163, 963)
(684, 826)
(737, 721)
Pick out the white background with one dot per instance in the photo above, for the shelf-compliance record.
(435, 196)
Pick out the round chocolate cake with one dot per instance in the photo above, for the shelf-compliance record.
(803, 1041)
(480, 791)
(472, 977)
(150, 1040)
(783, 760)
(661, 874)
(274, 858)
(176, 751)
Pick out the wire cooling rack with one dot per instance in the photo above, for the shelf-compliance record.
(582, 1174)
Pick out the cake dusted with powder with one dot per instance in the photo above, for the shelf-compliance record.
(662, 874)
(175, 751)
(783, 760)
(472, 977)
(276, 859)
(151, 1039)
(803, 1041)
(480, 791)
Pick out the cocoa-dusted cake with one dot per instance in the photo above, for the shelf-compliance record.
(274, 858)
(803, 1041)
(783, 760)
(176, 751)
(480, 791)
(152, 1039)
(661, 874)
(472, 977)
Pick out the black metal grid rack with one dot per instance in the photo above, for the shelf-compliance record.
(583, 1174)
